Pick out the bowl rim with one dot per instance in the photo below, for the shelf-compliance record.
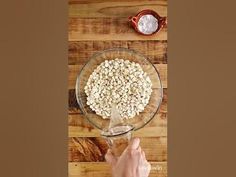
(77, 85)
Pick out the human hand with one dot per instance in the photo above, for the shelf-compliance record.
(131, 163)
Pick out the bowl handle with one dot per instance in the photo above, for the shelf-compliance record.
(133, 20)
(163, 22)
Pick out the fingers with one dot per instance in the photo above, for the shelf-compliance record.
(134, 143)
(139, 149)
(148, 167)
(143, 160)
(133, 149)
(143, 155)
(110, 158)
(144, 167)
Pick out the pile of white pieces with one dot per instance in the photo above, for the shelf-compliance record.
(118, 82)
(148, 24)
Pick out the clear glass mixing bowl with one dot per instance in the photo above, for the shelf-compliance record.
(151, 108)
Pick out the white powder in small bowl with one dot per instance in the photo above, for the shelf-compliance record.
(147, 24)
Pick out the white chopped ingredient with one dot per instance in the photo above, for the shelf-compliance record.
(147, 24)
(120, 82)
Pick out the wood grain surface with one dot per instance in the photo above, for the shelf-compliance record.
(102, 169)
(93, 26)
(97, 29)
(114, 8)
(156, 128)
(108, 20)
(80, 51)
(92, 149)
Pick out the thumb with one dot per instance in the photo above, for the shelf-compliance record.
(134, 143)
(110, 158)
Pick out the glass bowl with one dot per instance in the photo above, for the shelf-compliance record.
(151, 108)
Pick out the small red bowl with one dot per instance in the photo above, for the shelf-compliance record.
(162, 21)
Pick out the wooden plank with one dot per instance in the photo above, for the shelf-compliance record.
(79, 52)
(125, 8)
(103, 29)
(98, 169)
(93, 149)
(74, 131)
(86, 149)
(75, 69)
(74, 107)
(79, 120)
(80, 127)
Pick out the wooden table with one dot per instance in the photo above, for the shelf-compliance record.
(97, 25)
